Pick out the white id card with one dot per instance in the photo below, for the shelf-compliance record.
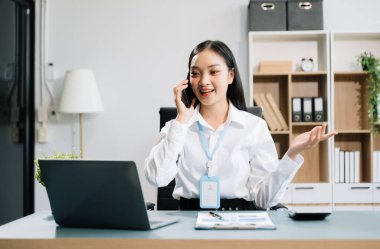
(209, 192)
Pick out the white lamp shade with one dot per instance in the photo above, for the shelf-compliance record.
(80, 93)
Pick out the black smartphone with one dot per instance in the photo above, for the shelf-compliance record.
(188, 94)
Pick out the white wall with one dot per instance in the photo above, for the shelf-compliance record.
(351, 15)
(138, 50)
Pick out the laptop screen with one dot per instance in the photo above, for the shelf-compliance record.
(86, 193)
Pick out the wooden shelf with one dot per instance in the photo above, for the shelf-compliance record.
(351, 73)
(316, 73)
(308, 123)
(280, 132)
(270, 74)
(354, 131)
(297, 73)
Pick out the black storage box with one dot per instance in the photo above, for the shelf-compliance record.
(267, 15)
(305, 15)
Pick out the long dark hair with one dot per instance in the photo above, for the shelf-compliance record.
(235, 91)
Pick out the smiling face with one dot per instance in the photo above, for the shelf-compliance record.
(210, 77)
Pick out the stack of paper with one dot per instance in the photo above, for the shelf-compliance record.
(234, 220)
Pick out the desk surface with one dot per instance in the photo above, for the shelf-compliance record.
(340, 226)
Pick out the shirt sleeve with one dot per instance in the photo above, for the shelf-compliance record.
(160, 167)
(269, 176)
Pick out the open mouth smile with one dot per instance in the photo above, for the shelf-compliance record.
(206, 92)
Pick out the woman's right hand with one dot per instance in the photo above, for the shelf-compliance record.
(184, 113)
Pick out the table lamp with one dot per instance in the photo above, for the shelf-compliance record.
(80, 95)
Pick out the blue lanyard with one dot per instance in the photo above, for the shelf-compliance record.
(204, 142)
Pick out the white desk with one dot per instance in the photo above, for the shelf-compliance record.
(340, 230)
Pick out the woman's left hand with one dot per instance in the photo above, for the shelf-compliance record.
(308, 140)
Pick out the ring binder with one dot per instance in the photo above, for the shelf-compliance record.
(318, 115)
(307, 109)
(296, 110)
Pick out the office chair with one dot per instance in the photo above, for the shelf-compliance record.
(165, 200)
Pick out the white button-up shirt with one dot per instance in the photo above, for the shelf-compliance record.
(246, 160)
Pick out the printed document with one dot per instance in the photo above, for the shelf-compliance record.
(234, 220)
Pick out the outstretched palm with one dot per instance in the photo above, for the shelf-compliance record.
(308, 140)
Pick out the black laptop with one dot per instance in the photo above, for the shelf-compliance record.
(98, 194)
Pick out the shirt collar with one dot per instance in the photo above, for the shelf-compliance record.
(234, 116)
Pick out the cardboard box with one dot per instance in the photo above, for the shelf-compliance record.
(275, 66)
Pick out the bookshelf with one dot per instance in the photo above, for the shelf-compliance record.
(311, 185)
(338, 78)
(350, 107)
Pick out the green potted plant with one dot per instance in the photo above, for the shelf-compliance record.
(371, 64)
(56, 155)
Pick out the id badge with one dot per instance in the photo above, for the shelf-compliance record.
(209, 196)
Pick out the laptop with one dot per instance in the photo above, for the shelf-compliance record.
(98, 194)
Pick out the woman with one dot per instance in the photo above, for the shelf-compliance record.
(220, 155)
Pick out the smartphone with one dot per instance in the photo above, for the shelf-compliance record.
(188, 94)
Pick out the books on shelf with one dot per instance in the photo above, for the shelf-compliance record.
(234, 220)
(276, 111)
(266, 114)
(271, 112)
(346, 166)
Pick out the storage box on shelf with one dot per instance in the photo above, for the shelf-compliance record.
(350, 108)
(305, 15)
(264, 15)
(311, 185)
